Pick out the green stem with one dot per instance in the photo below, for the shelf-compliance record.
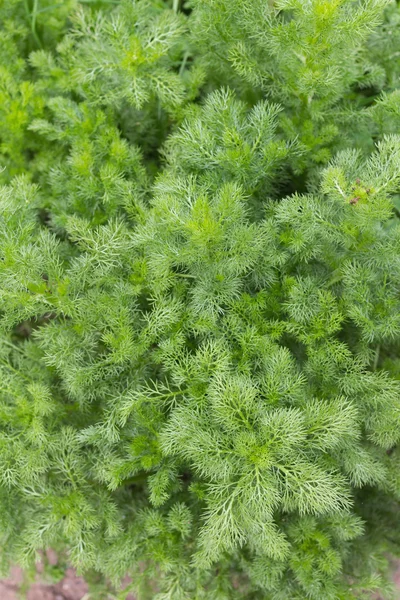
(334, 280)
(32, 16)
(8, 366)
(331, 225)
(376, 359)
(33, 23)
(184, 61)
(13, 346)
(186, 275)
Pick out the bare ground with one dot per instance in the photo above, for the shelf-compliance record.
(71, 587)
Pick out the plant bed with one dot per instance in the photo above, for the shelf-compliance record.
(200, 295)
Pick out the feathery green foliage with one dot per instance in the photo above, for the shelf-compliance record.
(199, 294)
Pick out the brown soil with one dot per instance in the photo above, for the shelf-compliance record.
(71, 587)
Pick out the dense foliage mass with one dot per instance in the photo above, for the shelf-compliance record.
(200, 293)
